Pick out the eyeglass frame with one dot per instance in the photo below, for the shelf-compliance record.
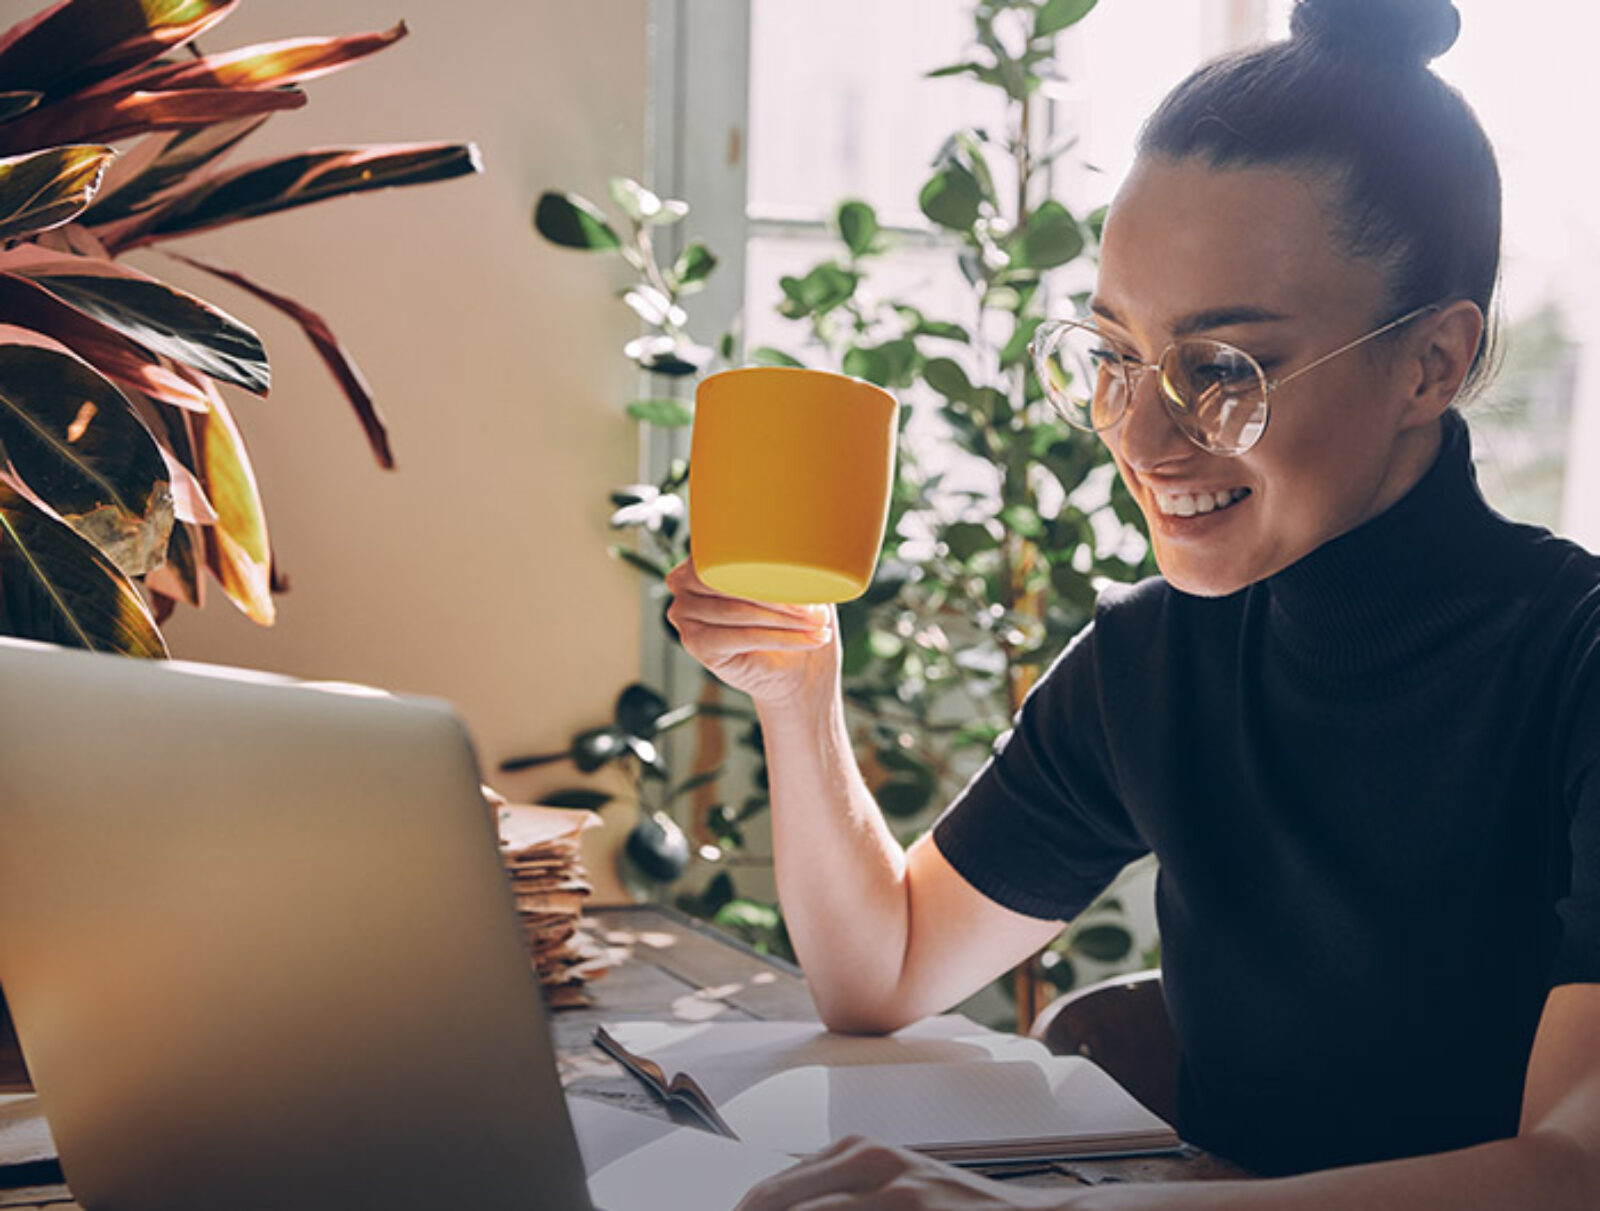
(1043, 334)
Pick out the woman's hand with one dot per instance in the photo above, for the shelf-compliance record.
(771, 652)
(857, 1174)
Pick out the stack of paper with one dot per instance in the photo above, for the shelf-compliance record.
(540, 848)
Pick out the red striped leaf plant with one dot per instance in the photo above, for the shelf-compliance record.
(123, 476)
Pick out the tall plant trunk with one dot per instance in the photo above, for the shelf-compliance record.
(1028, 981)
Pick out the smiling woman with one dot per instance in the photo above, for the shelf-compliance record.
(1357, 717)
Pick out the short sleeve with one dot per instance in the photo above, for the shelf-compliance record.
(1040, 829)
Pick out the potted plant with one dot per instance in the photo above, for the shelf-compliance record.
(126, 478)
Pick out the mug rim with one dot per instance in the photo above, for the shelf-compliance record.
(804, 370)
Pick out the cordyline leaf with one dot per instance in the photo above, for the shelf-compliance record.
(139, 179)
(14, 104)
(298, 180)
(106, 117)
(179, 578)
(237, 549)
(55, 587)
(189, 503)
(76, 43)
(266, 65)
(77, 444)
(119, 359)
(160, 318)
(48, 188)
(351, 381)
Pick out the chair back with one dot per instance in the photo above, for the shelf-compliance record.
(1122, 1025)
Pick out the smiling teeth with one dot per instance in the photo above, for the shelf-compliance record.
(1188, 504)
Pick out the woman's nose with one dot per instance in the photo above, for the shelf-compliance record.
(1146, 435)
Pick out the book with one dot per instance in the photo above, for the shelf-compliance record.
(944, 1086)
(638, 1163)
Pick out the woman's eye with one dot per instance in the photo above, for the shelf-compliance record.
(1224, 372)
(1107, 357)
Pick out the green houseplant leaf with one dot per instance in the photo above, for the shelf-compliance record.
(77, 444)
(573, 222)
(1052, 237)
(56, 587)
(693, 265)
(952, 198)
(1057, 15)
(858, 227)
(662, 413)
(45, 189)
(1103, 943)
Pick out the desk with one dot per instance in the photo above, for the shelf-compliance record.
(675, 966)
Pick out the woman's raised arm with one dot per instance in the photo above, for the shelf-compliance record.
(885, 936)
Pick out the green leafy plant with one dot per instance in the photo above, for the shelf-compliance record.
(125, 475)
(977, 590)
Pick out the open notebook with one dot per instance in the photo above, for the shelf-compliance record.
(944, 1086)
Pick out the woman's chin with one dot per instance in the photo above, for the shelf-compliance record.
(1199, 580)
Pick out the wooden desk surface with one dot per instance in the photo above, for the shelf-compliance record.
(677, 967)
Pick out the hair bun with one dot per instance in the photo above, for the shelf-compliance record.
(1397, 32)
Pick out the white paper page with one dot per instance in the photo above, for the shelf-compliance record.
(606, 1133)
(804, 1109)
(684, 1170)
(726, 1058)
(24, 1134)
(1086, 1091)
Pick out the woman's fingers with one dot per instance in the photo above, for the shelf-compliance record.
(714, 644)
(735, 612)
(857, 1173)
(848, 1166)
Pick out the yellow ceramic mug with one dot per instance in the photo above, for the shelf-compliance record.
(789, 479)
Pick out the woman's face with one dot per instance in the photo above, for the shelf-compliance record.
(1246, 256)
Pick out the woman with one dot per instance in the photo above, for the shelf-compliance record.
(1357, 718)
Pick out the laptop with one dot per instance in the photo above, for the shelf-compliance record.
(259, 948)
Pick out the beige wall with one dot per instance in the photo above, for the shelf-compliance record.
(477, 571)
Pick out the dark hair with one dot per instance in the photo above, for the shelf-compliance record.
(1350, 95)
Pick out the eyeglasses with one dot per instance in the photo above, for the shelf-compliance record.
(1215, 392)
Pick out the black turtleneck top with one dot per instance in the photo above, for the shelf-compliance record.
(1371, 783)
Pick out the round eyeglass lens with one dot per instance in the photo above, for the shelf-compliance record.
(1216, 393)
(1083, 374)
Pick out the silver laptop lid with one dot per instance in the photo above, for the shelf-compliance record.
(259, 949)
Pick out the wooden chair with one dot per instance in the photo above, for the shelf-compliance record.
(13, 1072)
(1122, 1025)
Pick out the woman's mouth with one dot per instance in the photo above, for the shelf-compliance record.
(1193, 504)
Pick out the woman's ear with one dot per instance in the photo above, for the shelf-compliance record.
(1441, 356)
